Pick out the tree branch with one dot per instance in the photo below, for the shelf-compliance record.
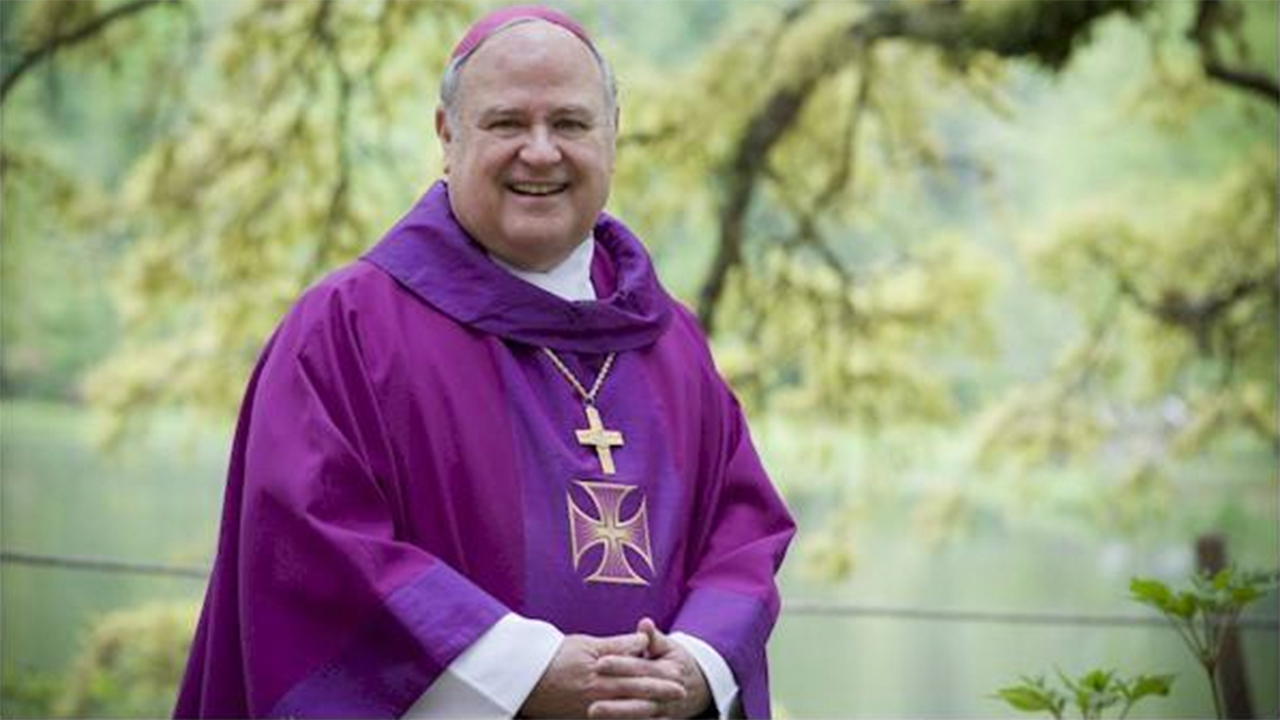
(339, 197)
(846, 168)
(1256, 83)
(807, 232)
(1209, 18)
(1195, 315)
(1046, 33)
(88, 30)
(764, 130)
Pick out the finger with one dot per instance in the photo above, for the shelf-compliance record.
(646, 626)
(638, 688)
(623, 666)
(623, 709)
(659, 643)
(633, 644)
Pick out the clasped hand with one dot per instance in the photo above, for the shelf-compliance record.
(639, 675)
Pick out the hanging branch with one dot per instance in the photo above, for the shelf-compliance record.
(1257, 83)
(1196, 315)
(1045, 33)
(45, 50)
(338, 199)
(1208, 18)
(807, 231)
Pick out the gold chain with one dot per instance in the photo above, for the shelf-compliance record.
(587, 397)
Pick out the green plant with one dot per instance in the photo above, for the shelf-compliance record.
(131, 663)
(1205, 612)
(1093, 693)
(27, 693)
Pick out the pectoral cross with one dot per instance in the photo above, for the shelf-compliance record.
(601, 438)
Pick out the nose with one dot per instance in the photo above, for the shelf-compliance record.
(540, 147)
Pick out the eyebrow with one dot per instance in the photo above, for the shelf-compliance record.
(497, 112)
(501, 111)
(574, 110)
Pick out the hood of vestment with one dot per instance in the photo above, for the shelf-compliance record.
(432, 256)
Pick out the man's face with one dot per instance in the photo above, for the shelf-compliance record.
(529, 154)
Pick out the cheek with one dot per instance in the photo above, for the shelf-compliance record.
(490, 164)
(604, 160)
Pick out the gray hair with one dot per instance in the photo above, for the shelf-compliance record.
(451, 83)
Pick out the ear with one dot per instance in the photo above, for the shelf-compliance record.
(613, 140)
(445, 134)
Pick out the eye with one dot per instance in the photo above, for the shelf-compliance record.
(504, 125)
(572, 126)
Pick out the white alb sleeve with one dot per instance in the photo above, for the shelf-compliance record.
(493, 677)
(724, 688)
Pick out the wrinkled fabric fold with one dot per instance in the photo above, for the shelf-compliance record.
(429, 622)
(432, 255)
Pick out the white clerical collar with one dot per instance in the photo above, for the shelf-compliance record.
(570, 280)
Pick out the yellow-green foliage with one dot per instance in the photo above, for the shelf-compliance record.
(293, 162)
(874, 283)
(859, 349)
(131, 663)
(1191, 285)
(314, 132)
(48, 20)
(818, 315)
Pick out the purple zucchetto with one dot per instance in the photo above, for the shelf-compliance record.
(494, 21)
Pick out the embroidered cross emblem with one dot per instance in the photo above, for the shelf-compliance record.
(595, 434)
(586, 531)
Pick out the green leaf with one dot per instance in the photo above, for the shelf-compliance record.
(1026, 699)
(1098, 680)
(1146, 685)
(1032, 695)
(1241, 596)
(1094, 691)
(1151, 592)
(1184, 605)
(1262, 580)
(1223, 578)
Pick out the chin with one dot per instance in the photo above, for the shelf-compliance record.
(549, 245)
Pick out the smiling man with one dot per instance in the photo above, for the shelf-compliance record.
(528, 141)
(490, 469)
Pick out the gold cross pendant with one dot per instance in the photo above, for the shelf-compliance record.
(596, 435)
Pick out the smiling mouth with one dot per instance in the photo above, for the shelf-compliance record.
(537, 189)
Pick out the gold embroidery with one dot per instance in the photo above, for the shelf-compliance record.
(586, 531)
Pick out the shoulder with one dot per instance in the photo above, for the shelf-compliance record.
(361, 294)
(352, 286)
(358, 307)
(327, 306)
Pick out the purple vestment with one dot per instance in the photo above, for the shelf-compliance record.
(405, 471)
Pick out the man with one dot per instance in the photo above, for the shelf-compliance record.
(490, 469)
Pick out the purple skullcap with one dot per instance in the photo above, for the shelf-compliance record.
(491, 23)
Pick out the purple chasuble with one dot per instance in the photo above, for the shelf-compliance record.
(405, 471)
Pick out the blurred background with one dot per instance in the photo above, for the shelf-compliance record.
(996, 282)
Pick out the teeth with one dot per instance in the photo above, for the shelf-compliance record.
(537, 188)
